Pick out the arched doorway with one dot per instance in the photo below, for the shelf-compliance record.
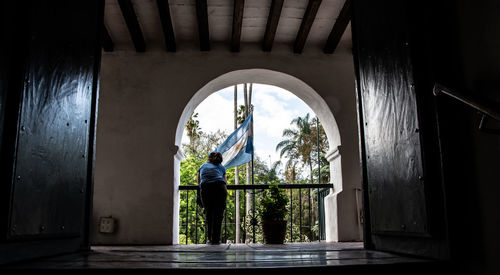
(302, 91)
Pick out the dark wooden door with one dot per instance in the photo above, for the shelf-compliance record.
(403, 188)
(48, 116)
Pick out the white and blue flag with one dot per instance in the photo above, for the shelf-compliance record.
(237, 149)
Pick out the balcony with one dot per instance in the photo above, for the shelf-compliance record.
(305, 222)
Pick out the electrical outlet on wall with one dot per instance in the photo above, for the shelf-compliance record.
(107, 224)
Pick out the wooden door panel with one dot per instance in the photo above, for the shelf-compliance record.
(48, 155)
(401, 177)
(391, 127)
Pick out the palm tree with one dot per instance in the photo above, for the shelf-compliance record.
(298, 143)
(322, 142)
(242, 113)
(193, 131)
(274, 170)
(288, 147)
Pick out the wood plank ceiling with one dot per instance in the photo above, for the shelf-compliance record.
(172, 25)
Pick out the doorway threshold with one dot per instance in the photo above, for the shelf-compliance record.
(250, 257)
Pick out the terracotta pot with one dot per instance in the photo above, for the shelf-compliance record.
(274, 231)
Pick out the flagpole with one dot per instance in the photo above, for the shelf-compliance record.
(251, 129)
(248, 213)
(236, 174)
(249, 110)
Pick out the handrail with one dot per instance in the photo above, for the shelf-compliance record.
(481, 107)
(263, 186)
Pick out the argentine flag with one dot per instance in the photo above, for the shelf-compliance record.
(238, 147)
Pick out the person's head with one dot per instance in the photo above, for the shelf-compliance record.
(215, 158)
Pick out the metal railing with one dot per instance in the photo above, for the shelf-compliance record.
(480, 105)
(485, 108)
(305, 221)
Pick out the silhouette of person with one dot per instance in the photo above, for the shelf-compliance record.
(212, 180)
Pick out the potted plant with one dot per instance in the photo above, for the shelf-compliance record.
(273, 212)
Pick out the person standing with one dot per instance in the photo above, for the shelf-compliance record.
(212, 181)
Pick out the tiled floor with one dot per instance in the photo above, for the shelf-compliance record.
(226, 256)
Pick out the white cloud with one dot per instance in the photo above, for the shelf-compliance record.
(214, 113)
(274, 90)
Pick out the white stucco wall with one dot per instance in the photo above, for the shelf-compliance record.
(142, 98)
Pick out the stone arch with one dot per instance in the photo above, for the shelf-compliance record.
(299, 89)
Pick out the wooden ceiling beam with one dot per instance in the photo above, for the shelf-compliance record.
(237, 24)
(202, 17)
(130, 17)
(338, 28)
(305, 26)
(166, 24)
(272, 24)
(106, 41)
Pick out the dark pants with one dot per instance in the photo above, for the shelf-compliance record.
(213, 197)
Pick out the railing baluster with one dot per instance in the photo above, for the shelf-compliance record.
(320, 229)
(235, 208)
(310, 217)
(205, 230)
(253, 217)
(291, 215)
(187, 216)
(225, 224)
(245, 215)
(300, 214)
(196, 220)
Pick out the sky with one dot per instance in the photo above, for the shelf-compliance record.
(274, 109)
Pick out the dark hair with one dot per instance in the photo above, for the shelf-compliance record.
(215, 158)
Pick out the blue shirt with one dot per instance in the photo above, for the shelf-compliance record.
(210, 172)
